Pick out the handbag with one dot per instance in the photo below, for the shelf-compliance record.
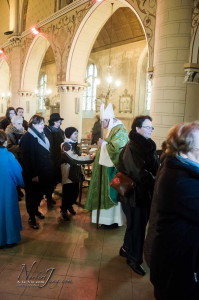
(122, 183)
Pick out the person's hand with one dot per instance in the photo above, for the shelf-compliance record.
(92, 156)
(99, 143)
(35, 179)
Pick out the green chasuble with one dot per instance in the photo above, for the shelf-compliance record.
(117, 139)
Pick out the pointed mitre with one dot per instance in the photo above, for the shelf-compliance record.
(108, 112)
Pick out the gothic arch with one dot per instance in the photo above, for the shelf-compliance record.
(92, 24)
(195, 47)
(33, 63)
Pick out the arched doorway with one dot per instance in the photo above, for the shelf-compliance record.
(38, 83)
(82, 46)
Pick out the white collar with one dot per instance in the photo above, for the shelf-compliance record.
(46, 145)
(112, 123)
(70, 141)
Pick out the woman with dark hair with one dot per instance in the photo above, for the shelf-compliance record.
(11, 177)
(10, 112)
(172, 242)
(139, 161)
(37, 168)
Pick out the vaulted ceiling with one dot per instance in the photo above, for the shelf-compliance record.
(125, 29)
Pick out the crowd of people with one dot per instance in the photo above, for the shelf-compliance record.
(36, 157)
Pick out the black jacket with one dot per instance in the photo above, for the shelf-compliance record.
(175, 249)
(75, 163)
(36, 160)
(55, 137)
(4, 123)
(139, 161)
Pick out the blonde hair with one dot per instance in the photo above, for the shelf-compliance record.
(181, 138)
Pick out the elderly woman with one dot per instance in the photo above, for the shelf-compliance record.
(11, 177)
(14, 132)
(139, 161)
(174, 233)
(37, 168)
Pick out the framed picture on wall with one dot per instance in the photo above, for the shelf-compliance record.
(125, 103)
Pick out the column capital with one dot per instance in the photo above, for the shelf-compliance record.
(150, 73)
(192, 72)
(15, 40)
(25, 93)
(64, 87)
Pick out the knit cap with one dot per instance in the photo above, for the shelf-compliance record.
(69, 131)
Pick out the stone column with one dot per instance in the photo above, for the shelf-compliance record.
(28, 102)
(172, 42)
(58, 5)
(15, 69)
(71, 105)
(14, 16)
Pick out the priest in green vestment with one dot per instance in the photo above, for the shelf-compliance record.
(107, 156)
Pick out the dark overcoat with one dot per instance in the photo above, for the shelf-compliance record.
(175, 253)
(55, 137)
(36, 160)
(139, 161)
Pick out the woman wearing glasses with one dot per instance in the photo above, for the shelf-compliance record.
(139, 161)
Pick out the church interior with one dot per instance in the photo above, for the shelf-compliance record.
(69, 57)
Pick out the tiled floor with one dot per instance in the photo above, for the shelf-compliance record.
(73, 261)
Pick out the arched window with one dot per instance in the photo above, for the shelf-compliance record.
(89, 98)
(42, 92)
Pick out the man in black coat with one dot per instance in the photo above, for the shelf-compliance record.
(55, 136)
(139, 161)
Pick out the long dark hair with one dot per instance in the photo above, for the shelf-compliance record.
(8, 111)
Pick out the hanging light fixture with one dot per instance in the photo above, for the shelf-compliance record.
(111, 81)
(109, 78)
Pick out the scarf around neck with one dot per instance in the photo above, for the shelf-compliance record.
(41, 138)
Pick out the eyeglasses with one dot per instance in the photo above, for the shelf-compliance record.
(148, 127)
